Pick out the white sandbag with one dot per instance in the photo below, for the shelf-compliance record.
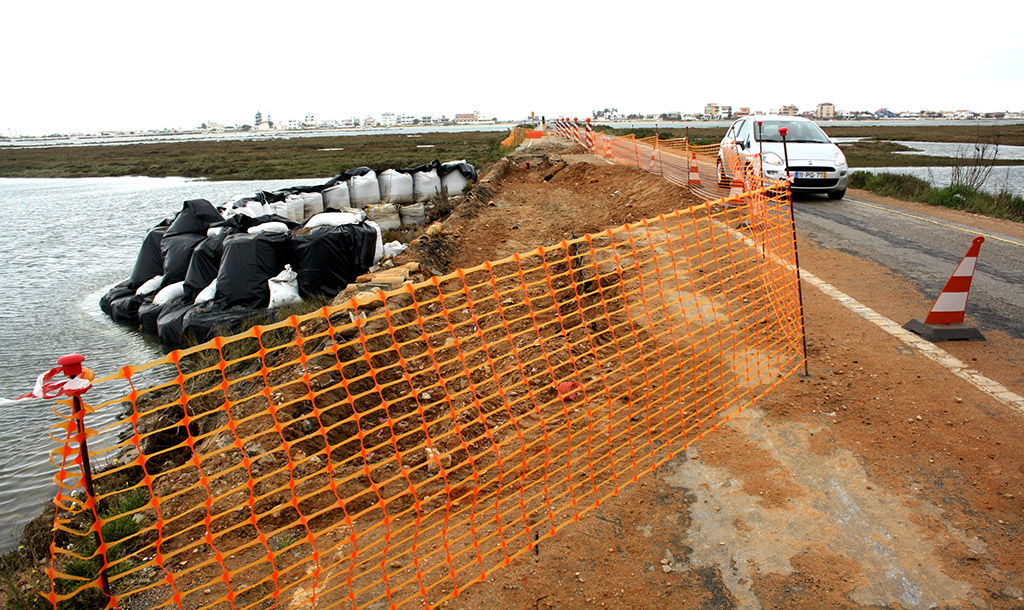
(412, 214)
(337, 196)
(394, 248)
(150, 285)
(284, 289)
(385, 215)
(454, 183)
(363, 190)
(254, 209)
(295, 206)
(312, 203)
(169, 293)
(378, 250)
(280, 208)
(214, 231)
(395, 187)
(351, 216)
(268, 209)
(206, 294)
(425, 185)
(268, 227)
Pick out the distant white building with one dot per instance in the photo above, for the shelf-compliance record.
(388, 119)
(406, 119)
(309, 122)
(293, 124)
(349, 122)
(327, 124)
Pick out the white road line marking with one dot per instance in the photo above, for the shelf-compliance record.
(929, 349)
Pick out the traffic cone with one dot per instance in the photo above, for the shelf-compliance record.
(945, 320)
(608, 147)
(694, 181)
(654, 162)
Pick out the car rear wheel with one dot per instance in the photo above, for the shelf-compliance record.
(834, 195)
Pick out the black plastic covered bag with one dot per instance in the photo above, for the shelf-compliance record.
(171, 320)
(204, 265)
(125, 310)
(196, 216)
(209, 320)
(246, 265)
(328, 259)
(123, 289)
(150, 261)
(177, 254)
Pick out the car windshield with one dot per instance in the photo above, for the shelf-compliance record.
(799, 131)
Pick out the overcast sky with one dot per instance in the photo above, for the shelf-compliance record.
(89, 66)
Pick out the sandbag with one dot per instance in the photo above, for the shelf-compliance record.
(312, 203)
(385, 215)
(267, 228)
(205, 264)
(284, 289)
(248, 262)
(336, 196)
(170, 322)
(455, 175)
(295, 208)
(378, 246)
(151, 285)
(425, 185)
(169, 293)
(350, 216)
(412, 214)
(329, 258)
(395, 186)
(150, 261)
(207, 294)
(204, 322)
(196, 216)
(177, 253)
(280, 208)
(364, 190)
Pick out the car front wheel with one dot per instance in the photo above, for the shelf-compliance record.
(722, 180)
(834, 195)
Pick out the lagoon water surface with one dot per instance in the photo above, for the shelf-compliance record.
(65, 242)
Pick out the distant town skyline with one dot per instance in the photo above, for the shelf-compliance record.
(74, 67)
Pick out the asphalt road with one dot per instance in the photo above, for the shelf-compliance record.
(926, 249)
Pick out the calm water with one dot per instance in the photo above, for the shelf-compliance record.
(65, 242)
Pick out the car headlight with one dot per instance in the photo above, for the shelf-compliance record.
(840, 159)
(771, 158)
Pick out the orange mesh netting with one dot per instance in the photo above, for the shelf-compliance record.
(394, 449)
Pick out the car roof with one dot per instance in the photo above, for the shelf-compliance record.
(775, 117)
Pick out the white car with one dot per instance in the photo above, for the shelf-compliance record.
(815, 163)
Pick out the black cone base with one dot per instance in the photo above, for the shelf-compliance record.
(937, 333)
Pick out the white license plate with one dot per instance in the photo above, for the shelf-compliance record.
(810, 175)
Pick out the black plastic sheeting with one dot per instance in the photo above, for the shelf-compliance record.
(121, 290)
(209, 320)
(171, 320)
(345, 175)
(248, 262)
(177, 252)
(196, 216)
(328, 259)
(125, 310)
(150, 261)
(433, 165)
(462, 167)
(148, 315)
(205, 264)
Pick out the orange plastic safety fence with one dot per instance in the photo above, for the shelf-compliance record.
(391, 451)
(515, 137)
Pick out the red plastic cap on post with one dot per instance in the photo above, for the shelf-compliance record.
(72, 364)
(783, 131)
